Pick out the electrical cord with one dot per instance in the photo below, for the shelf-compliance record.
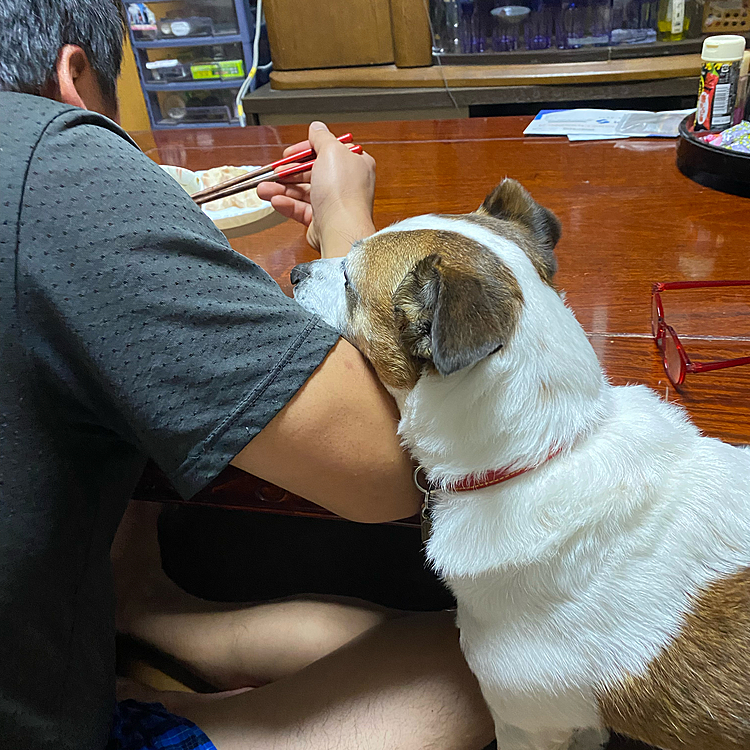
(248, 82)
(448, 91)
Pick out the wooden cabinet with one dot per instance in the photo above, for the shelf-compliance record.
(328, 33)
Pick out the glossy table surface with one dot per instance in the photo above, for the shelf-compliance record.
(629, 218)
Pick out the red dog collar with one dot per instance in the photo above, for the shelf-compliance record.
(468, 483)
(496, 476)
(477, 481)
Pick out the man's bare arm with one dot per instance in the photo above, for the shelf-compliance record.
(335, 444)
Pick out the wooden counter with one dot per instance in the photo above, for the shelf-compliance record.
(383, 92)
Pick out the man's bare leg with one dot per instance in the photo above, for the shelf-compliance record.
(402, 685)
(341, 673)
(228, 645)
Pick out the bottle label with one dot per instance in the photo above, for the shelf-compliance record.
(678, 16)
(231, 69)
(717, 92)
(204, 71)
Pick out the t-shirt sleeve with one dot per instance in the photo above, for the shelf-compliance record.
(138, 314)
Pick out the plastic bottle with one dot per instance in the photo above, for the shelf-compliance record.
(717, 90)
(672, 22)
(743, 90)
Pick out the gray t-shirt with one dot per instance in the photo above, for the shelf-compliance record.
(128, 329)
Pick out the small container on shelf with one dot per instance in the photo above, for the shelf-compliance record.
(142, 22)
(180, 28)
(195, 107)
(211, 63)
(218, 70)
(168, 70)
(145, 32)
(173, 107)
(208, 114)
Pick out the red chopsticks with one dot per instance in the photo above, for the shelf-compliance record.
(266, 173)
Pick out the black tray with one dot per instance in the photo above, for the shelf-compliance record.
(711, 166)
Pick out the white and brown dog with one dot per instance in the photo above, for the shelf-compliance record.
(597, 544)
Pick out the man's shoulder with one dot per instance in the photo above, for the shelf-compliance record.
(28, 118)
(30, 106)
(35, 134)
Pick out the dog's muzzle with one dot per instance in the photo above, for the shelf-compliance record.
(319, 288)
(299, 273)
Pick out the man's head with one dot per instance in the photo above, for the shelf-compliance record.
(68, 50)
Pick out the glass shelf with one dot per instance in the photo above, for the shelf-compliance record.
(192, 85)
(188, 41)
(172, 125)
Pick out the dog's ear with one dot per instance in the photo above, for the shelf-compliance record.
(453, 315)
(512, 202)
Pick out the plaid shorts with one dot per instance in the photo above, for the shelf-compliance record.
(149, 726)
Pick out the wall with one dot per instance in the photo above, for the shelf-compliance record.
(133, 113)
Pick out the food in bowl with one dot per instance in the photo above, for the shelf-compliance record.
(246, 199)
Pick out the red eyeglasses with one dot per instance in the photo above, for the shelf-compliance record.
(676, 361)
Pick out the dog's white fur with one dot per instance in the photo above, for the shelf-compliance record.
(577, 573)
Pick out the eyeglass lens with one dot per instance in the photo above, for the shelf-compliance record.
(655, 317)
(672, 359)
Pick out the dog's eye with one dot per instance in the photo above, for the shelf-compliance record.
(347, 283)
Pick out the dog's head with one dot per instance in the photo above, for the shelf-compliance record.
(433, 294)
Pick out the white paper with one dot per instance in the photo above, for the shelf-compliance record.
(605, 124)
(594, 137)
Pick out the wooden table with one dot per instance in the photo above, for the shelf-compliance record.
(629, 219)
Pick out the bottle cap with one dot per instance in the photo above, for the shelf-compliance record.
(723, 48)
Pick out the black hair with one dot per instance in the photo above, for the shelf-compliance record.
(32, 33)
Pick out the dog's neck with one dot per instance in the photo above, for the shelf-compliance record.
(543, 392)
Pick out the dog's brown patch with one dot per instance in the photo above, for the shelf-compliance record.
(517, 234)
(696, 694)
(384, 261)
(510, 211)
(428, 299)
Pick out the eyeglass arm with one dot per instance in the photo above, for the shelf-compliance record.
(660, 286)
(706, 366)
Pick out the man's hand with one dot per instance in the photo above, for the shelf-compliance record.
(334, 200)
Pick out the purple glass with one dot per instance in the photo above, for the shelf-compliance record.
(510, 21)
(466, 26)
(539, 29)
(585, 23)
(484, 25)
(634, 21)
